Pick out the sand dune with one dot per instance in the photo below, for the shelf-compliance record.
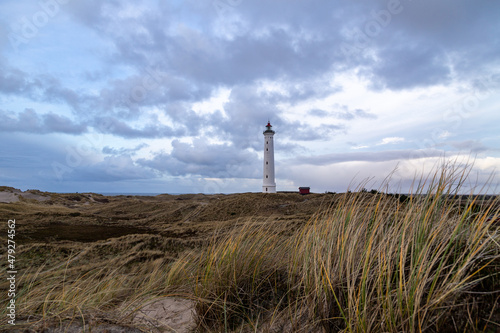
(9, 195)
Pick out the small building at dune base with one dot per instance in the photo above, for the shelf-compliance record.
(304, 190)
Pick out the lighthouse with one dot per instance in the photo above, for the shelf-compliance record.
(268, 185)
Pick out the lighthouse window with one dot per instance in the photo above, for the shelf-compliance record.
(267, 176)
(267, 149)
(267, 162)
(267, 142)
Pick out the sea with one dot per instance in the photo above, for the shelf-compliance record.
(141, 194)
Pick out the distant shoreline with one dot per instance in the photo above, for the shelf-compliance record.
(115, 194)
(15, 191)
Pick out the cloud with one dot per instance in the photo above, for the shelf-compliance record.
(342, 112)
(162, 36)
(390, 140)
(356, 146)
(29, 121)
(123, 151)
(299, 131)
(318, 113)
(58, 163)
(175, 54)
(409, 67)
(39, 87)
(427, 43)
(137, 70)
(207, 160)
(112, 169)
(347, 114)
(120, 128)
(14, 81)
(380, 156)
(473, 146)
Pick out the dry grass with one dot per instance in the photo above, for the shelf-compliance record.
(367, 264)
(364, 263)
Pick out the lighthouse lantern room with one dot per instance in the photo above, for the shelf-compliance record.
(269, 184)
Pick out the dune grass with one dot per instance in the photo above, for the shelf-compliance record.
(369, 263)
(102, 282)
(366, 262)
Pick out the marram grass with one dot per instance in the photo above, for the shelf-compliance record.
(369, 263)
(365, 263)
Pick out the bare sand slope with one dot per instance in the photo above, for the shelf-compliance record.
(9, 195)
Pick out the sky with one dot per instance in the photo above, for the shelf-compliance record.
(173, 96)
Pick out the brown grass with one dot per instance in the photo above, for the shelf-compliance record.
(354, 262)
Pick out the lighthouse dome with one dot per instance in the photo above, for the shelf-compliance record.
(268, 129)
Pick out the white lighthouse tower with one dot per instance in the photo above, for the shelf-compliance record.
(268, 185)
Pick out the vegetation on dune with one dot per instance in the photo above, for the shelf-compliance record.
(365, 262)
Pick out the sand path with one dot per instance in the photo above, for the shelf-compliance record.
(168, 314)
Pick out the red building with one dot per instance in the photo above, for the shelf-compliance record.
(304, 190)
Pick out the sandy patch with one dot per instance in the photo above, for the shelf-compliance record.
(75, 327)
(7, 197)
(28, 195)
(168, 314)
(14, 194)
